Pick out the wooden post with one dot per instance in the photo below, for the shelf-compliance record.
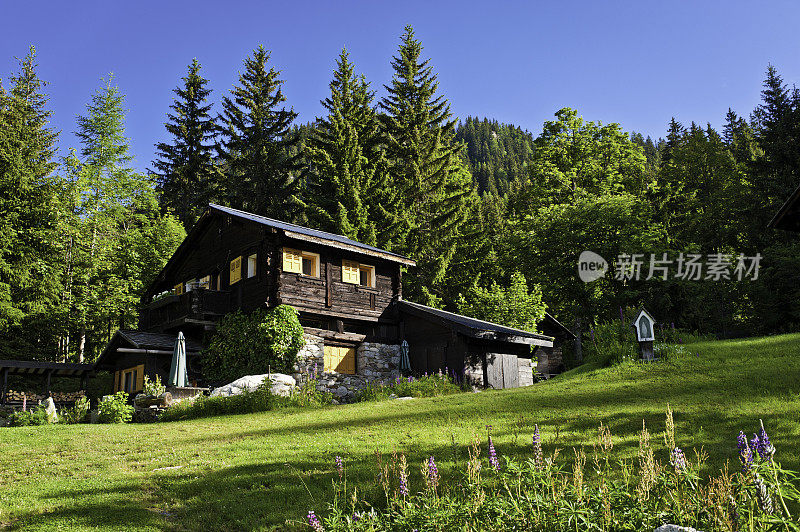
(5, 384)
(46, 383)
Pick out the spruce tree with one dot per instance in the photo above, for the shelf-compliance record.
(257, 143)
(188, 176)
(346, 174)
(425, 168)
(29, 252)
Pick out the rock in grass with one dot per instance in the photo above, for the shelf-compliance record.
(674, 528)
(281, 385)
(50, 410)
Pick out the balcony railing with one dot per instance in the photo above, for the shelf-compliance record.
(200, 306)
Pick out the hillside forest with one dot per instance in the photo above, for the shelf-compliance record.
(495, 216)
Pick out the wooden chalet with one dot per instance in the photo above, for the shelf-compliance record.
(349, 298)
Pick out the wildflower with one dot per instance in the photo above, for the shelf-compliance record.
(356, 516)
(764, 500)
(678, 460)
(765, 448)
(339, 466)
(403, 476)
(537, 446)
(313, 522)
(24, 403)
(592, 333)
(431, 473)
(493, 461)
(745, 453)
(621, 315)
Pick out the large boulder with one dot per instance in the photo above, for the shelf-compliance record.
(281, 385)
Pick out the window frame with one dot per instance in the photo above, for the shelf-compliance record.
(372, 277)
(303, 255)
(252, 259)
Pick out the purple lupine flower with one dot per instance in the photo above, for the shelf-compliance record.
(356, 516)
(765, 448)
(591, 331)
(754, 445)
(745, 453)
(537, 446)
(680, 341)
(621, 315)
(432, 474)
(493, 461)
(403, 477)
(24, 403)
(339, 466)
(313, 522)
(672, 324)
(678, 460)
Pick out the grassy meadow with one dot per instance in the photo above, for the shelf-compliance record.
(265, 471)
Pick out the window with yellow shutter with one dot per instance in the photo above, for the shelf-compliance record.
(350, 272)
(179, 289)
(340, 359)
(236, 270)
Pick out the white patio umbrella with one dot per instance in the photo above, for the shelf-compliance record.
(177, 371)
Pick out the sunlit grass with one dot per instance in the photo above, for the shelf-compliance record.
(257, 471)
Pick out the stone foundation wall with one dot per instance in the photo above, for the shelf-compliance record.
(374, 362)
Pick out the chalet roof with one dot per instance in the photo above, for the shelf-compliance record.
(549, 322)
(477, 328)
(313, 235)
(142, 340)
(788, 216)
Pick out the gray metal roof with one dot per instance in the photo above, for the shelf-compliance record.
(473, 323)
(294, 230)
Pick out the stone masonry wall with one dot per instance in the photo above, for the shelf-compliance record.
(374, 362)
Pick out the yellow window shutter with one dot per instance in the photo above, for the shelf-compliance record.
(350, 272)
(236, 270)
(292, 261)
(179, 289)
(139, 378)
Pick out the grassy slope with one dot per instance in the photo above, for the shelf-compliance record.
(257, 471)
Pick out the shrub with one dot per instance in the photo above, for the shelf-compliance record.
(610, 343)
(114, 409)
(76, 414)
(251, 344)
(260, 400)
(26, 418)
(489, 492)
(433, 385)
(153, 387)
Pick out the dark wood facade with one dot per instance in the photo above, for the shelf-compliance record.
(324, 300)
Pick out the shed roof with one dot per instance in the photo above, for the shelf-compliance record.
(142, 340)
(477, 328)
(36, 367)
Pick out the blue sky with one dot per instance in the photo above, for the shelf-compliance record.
(636, 63)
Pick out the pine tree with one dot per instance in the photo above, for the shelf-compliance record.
(345, 182)
(29, 252)
(425, 167)
(188, 176)
(116, 239)
(257, 143)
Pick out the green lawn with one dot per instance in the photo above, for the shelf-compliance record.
(258, 471)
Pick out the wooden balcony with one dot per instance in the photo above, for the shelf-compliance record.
(197, 308)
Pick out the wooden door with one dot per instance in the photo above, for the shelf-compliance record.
(502, 370)
(340, 359)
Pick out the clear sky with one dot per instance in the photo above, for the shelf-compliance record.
(637, 63)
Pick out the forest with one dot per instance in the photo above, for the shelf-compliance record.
(495, 216)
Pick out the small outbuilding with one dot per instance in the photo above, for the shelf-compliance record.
(483, 353)
(130, 355)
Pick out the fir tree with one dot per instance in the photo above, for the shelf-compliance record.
(346, 174)
(29, 252)
(425, 167)
(188, 177)
(257, 143)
